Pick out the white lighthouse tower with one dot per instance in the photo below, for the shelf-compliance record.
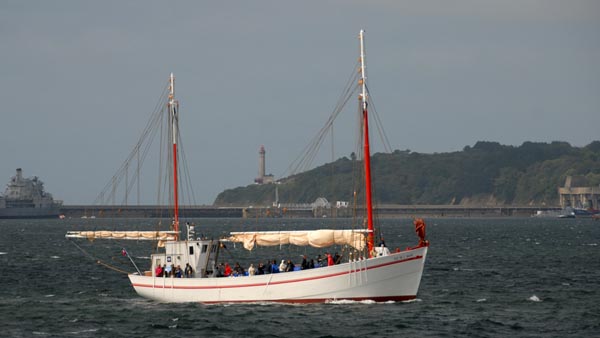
(262, 177)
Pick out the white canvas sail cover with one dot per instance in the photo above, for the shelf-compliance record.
(160, 236)
(314, 238)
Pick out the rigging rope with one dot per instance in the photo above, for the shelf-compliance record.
(104, 195)
(305, 160)
(378, 123)
(155, 128)
(98, 261)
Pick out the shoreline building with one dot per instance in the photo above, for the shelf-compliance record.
(262, 177)
(577, 194)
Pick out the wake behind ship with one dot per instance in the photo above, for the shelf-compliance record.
(26, 198)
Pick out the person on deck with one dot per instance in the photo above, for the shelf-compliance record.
(227, 270)
(283, 266)
(238, 270)
(319, 260)
(251, 270)
(169, 270)
(261, 269)
(330, 261)
(304, 264)
(274, 267)
(337, 258)
(289, 266)
(158, 272)
(188, 270)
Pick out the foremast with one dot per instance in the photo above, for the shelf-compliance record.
(366, 152)
(173, 106)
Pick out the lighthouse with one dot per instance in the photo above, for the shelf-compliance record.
(262, 177)
(261, 161)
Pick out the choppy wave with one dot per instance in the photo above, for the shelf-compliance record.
(81, 331)
(416, 300)
(465, 290)
(346, 301)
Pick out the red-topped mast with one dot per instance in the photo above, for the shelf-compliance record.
(366, 152)
(174, 117)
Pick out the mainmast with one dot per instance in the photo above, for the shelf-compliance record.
(366, 152)
(174, 119)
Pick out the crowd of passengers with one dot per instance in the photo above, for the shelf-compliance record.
(174, 271)
(225, 270)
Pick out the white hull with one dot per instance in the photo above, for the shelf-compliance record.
(393, 277)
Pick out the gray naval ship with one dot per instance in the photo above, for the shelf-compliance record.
(26, 198)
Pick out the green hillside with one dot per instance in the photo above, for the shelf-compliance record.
(486, 174)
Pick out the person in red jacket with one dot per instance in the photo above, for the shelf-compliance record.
(227, 270)
(329, 259)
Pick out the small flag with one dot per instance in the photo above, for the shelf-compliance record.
(123, 252)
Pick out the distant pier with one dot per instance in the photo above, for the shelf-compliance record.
(386, 211)
(148, 211)
(394, 211)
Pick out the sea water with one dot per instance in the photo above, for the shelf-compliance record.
(521, 277)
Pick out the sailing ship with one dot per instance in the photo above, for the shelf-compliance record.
(371, 272)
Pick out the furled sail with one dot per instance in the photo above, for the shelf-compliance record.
(160, 236)
(314, 238)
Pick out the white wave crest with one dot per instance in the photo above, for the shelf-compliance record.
(82, 331)
(534, 298)
(347, 301)
(416, 300)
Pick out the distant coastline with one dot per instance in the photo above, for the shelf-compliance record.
(386, 211)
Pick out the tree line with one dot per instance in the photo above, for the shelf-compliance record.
(486, 173)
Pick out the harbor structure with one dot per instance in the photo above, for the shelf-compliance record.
(578, 194)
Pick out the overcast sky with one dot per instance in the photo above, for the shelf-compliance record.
(78, 80)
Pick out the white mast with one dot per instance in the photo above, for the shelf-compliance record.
(174, 107)
(363, 77)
